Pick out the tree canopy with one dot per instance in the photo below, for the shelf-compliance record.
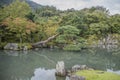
(20, 23)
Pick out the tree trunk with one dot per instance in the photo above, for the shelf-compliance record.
(43, 43)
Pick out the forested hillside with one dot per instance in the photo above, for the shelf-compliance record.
(32, 4)
(28, 22)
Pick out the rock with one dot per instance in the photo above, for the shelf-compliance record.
(68, 73)
(75, 68)
(60, 69)
(11, 46)
(79, 67)
(76, 77)
(110, 42)
(83, 67)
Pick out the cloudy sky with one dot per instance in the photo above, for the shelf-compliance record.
(112, 5)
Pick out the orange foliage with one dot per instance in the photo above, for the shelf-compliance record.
(20, 24)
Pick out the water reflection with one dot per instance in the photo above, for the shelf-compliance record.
(42, 74)
(14, 53)
(20, 65)
(112, 71)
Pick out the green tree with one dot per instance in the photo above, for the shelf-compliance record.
(20, 28)
(114, 23)
(68, 34)
(100, 29)
(16, 9)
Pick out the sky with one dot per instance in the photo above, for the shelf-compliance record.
(112, 5)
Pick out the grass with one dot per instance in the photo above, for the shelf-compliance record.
(98, 75)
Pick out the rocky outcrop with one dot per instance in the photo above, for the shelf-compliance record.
(75, 68)
(79, 67)
(70, 74)
(60, 68)
(109, 42)
(15, 46)
(11, 46)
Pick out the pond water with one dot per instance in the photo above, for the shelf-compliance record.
(40, 64)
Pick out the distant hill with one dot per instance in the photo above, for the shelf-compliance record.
(32, 4)
(5, 2)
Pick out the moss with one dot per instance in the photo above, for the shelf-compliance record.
(98, 75)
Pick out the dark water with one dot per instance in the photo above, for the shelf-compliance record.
(40, 64)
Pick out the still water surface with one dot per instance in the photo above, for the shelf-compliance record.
(40, 64)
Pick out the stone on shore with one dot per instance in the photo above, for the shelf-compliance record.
(11, 46)
(60, 69)
(79, 67)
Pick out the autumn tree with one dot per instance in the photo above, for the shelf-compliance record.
(21, 28)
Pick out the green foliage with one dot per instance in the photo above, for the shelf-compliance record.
(20, 27)
(68, 30)
(95, 17)
(77, 45)
(67, 34)
(15, 9)
(92, 39)
(31, 16)
(114, 23)
(76, 28)
(100, 29)
(82, 42)
(98, 75)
